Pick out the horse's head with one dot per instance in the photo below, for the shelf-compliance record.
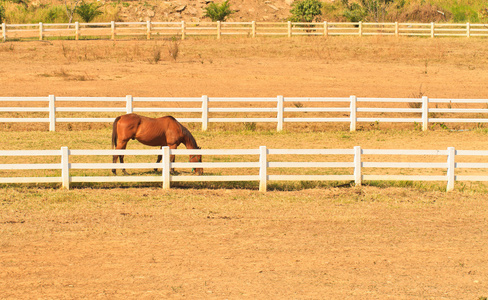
(196, 158)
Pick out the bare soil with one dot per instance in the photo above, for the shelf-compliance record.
(338, 242)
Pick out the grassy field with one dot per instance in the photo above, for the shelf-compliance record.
(229, 241)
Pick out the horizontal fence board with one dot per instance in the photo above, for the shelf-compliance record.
(30, 166)
(235, 178)
(31, 180)
(311, 177)
(116, 179)
(403, 178)
(311, 165)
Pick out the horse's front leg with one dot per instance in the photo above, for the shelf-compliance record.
(172, 157)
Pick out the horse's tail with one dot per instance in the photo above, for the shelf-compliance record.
(114, 133)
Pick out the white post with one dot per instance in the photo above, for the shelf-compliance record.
(166, 168)
(113, 29)
(289, 28)
(263, 172)
(357, 166)
(360, 28)
(468, 29)
(65, 167)
(326, 28)
(219, 28)
(396, 28)
(432, 31)
(4, 31)
(41, 29)
(129, 104)
(253, 25)
(204, 113)
(353, 113)
(451, 165)
(52, 113)
(425, 113)
(148, 26)
(183, 30)
(77, 30)
(280, 113)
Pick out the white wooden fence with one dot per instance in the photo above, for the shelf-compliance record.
(184, 29)
(358, 164)
(279, 110)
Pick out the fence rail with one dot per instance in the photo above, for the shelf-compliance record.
(359, 165)
(280, 110)
(149, 30)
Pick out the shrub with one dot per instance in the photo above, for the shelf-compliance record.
(306, 10)
(88, 11)
(218, 12)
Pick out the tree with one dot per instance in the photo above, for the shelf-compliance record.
(88, 11)
(306, 10)
(218, 12)
(70, 8)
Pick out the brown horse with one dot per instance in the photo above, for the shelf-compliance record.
(165, 131)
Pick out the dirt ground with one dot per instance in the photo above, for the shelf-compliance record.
(341, 242)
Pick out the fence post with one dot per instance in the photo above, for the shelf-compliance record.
(280, 113)
(65, 167)
(357, 166)
(360, 28)
(129, 105)
(52, 113)
(77, 31)
(219, 24)
(326, 28)
(468, 29)
(425, 113)
(451, 165)
(112, 25)
(148, 25)
(4, 31)
(289, 28)
(432, 31)
(253, 26)
(263, 172)
(204, 113)
(166, 168)
(396, 28)
(41, 29)
(353, 113)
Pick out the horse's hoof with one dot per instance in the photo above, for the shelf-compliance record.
(114, 172)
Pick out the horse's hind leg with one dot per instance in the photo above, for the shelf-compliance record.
(160, 157)
(120, 145)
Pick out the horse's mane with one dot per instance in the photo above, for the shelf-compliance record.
(186, 133)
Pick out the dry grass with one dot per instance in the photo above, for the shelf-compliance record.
(125, 241)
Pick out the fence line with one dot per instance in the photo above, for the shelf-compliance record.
(356, 164)
(183, 29)
(279, 110)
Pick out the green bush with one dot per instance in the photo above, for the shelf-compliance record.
(464, 13)
(306, 10)
(88, 11)
(218, 12)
